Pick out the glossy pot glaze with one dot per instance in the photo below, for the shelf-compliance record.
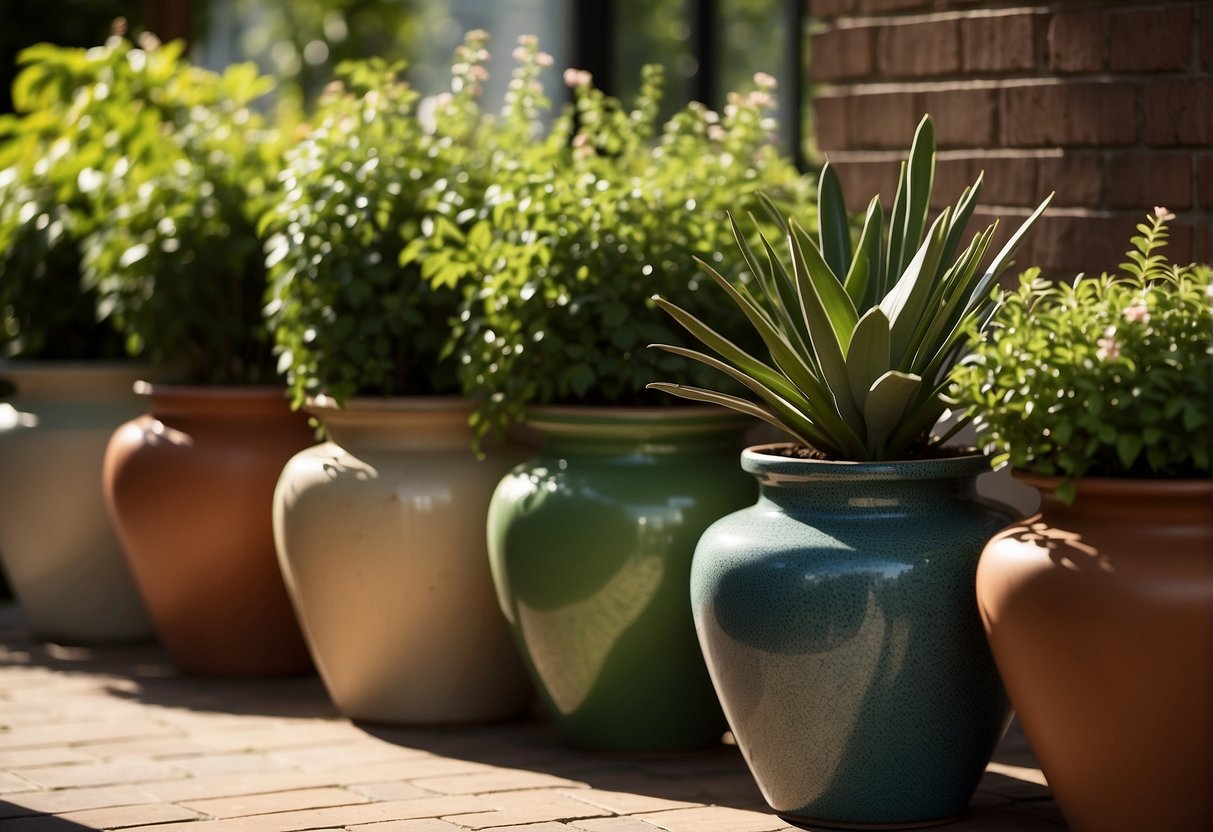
(189, 487)
(1100, 615)
(59, 551)
(380, 533)
(838, 622)
(590, 543)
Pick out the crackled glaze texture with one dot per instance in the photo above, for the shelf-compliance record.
(838, 620)
(590, 543)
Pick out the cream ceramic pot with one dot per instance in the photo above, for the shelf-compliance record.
(380, 534)
(62, 558)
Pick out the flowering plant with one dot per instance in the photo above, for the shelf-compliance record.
(1106, 376)
(566, 234)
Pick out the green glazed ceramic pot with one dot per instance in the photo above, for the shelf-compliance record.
(590, 544)
(840, 627)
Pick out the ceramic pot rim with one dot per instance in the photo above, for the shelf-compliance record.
(631, 422)
(1121, 486)
(757, 459)
(210, 392)
(322, 405)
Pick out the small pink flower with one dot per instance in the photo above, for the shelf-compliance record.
(761, 100)
(1162, 213)
(1109, 348)
(545, 60)
(520, 53)
(528, 40)
(765, 81)
(577, 78)
(1137, 313)
(478, 73)
(717, 133)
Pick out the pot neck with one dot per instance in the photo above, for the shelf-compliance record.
(647, 431)
(420, 423)
(173, 402)
(829, 486)
(1121, 500)
(71, 380)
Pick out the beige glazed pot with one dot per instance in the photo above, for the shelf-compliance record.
(1100, 617)
(62, 559)
(380, 533)
(189, 486)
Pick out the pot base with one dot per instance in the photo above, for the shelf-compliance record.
(811, 823)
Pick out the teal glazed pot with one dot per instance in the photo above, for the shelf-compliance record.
(840, 627)
(590, 544)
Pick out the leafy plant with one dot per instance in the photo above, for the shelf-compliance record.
(578, 225)
(1107, 376)
(861, 339)
(173, 255)
(348, 317)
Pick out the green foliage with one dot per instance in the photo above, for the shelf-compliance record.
(1107, 376)
(860, 339)
(348, 317)
(174, 178)
(130, 182)
(559, 238)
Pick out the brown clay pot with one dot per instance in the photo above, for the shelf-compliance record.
(189, 487)
(1100, 617)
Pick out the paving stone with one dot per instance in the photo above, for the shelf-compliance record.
(624, 824)
(362, 813)
(625, 803)
(422, 825)
(236, 785)
(496, 780)
(78, 733)
(165, 747)
(74, 800)
(78, 775)
(714, 819)
(10, 783)
(517, 808)
(210, 764)
(234, 807)
(395, 790)
(119, 817)
(352, 752)
(33, 757)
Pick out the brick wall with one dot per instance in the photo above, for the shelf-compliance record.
(1110, 104)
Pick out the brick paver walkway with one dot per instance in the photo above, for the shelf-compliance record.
(114, 738)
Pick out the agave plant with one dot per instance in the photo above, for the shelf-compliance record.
(861, 338)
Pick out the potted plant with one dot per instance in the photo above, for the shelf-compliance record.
(1099, 609)
(380, 530)
(590, 539)
(72, 388)
(174, 261)
(837, 615)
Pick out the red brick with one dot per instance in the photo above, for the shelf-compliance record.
(963, 117)
(1075, 42)
(919, 49)
(1150, 40)
(951, 177)
(888, 5)
(1203, 166)
(832, 8)
(1206, 45)
(863, 180)
(1069, 114)
(1178, 112)
(1142, 180)
(1009, 181)
(829, 123)
(1076, 180)
(1184, 243)
(882, 120)
(840, 54)
(1002, 43)
(1071, 244)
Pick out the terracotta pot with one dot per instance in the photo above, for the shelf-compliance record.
(57, 546)
(1100, 616)
(189, 487)
(380, 534)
